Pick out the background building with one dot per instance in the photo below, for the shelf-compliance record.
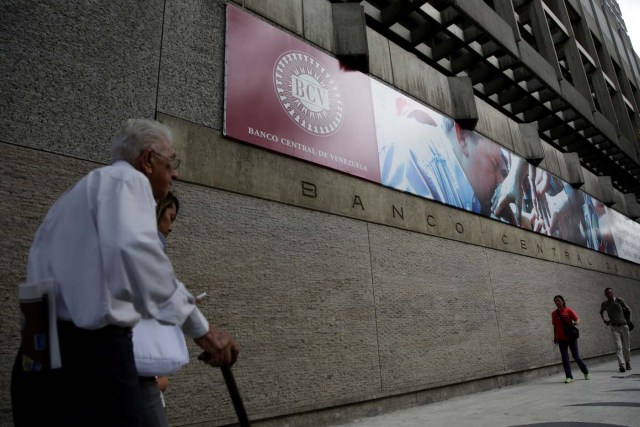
(346, 297)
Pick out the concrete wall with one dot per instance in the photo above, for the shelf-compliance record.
(332, 303)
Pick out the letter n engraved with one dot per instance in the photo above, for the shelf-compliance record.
(309, 189)
(400, 212)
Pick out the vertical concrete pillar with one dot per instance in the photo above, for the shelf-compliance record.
(633, 209)
(504, 8)
(570, 169)
(350, 35)
(463, 102)
(528, 143)
(543, 36)
(606, 190)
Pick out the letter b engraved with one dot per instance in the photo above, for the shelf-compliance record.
(309, 189)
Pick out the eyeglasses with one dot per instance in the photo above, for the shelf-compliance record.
(175, 163)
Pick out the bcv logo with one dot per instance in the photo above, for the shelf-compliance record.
(308, 93)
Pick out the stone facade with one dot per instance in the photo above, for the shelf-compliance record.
(341, 294)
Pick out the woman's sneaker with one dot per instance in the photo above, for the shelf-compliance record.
(587, 376)
(568, 380)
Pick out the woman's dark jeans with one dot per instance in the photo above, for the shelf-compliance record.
(572, 345)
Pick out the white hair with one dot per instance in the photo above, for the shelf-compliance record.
(136, 136)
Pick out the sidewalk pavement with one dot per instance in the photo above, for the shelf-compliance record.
(608, 399)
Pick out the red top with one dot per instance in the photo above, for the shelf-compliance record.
(567, 315)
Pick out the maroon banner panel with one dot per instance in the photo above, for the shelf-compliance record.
(284, 95)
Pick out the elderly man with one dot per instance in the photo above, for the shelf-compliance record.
(100, 245)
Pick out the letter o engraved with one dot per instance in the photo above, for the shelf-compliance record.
(459, 228)
(431, 220)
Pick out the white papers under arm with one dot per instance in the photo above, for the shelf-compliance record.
(40, 345)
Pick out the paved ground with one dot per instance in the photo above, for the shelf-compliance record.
(608, 399)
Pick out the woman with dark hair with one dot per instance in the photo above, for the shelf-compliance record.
(564, 318)
(159, 350)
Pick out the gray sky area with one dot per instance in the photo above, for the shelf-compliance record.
(631, 16)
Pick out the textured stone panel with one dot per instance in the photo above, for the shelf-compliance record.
(292, 285)
(415, 77)
(523, 289)
(287, 13)
(434, 308)
(584, 292)
(317, 23)
(294, 288)
(73, 72)
(31, 183)
(192, 68)
(379, 56)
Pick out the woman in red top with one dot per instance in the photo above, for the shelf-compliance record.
(564, 315)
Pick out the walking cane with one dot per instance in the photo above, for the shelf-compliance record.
(233, 391)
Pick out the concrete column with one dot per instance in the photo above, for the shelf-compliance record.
(504, 8)
(573, 54)
(570, 169)
(543, 36)
(463, 108)
(350, 35)
(528, 144)
(633, 208)
(606, 190)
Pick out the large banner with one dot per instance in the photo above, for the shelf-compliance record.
(284, 95)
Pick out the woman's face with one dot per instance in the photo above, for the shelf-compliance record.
(166, 220)
(558, 302)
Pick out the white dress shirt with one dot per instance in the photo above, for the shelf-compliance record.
(99, 242)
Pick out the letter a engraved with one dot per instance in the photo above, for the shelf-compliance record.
(309, 189)
(357, 201)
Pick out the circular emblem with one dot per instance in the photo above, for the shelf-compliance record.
(308, 93)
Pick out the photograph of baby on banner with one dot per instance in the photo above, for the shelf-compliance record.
(424, 152)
